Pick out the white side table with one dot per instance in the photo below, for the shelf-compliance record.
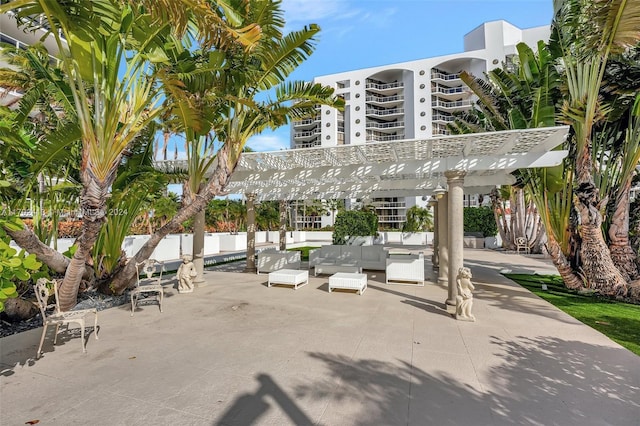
(348, 281)
(293, 277)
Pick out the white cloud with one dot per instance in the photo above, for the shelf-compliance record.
(338, 17)
(268, 143)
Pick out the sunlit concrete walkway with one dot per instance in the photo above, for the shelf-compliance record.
(236, 352)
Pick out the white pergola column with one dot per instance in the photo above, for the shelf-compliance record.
(283, 224)
(251, 233)
(443, 239)
(198, 246)
(455, 181)
(434, 257)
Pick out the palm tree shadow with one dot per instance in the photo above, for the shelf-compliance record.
(538, 381)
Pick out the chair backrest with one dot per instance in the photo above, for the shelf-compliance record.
(521, 241)
(44, 288)
(148, 269)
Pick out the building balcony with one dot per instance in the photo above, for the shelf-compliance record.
(384, 88)
(307, 144)
(385, 100)
(442, 118)
(385, 113)
(459, 105)
(445, 78)
(307, 134)
(439, 129)
(391, 218)
(451, 93)
(381, 137)
(309, 122)
(390, 125)
(389, 204)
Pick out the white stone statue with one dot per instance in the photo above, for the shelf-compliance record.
(186, 273)
(464, 299)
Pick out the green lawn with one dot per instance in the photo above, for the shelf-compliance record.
(619, 321)
(305, 251)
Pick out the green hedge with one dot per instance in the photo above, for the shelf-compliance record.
(354, 223)
(480, 219)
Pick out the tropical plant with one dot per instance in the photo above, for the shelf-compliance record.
(587, 35)
(14, 266)
(241, 106)
(419, 219)
(108, 49)
(135, 176)
(523, 95)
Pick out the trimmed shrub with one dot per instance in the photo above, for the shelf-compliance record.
(354, 223)
(481, 220)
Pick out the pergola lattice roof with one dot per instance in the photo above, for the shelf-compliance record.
(393, 169)
(399, 168)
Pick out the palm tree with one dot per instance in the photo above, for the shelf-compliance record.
(587, 34)
(241, 106)
(107, 51)
(419, 219)
(521, 97)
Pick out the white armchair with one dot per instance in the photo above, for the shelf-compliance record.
(406, 269)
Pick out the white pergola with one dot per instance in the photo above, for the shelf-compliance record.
(398, 168)
(474, 163)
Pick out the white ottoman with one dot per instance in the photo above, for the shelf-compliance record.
(348, 281)
(293, 277)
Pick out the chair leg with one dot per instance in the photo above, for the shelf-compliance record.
(55, 338)
(161, 298)
(81, 322)
(95, 324)
(44, 331)
(133, 303)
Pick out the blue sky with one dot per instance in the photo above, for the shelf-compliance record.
(366, 33)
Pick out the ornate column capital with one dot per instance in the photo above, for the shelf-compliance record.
(454, 176)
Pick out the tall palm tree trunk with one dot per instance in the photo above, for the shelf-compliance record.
(622, 254)
(571, 280)
(215, 185)
(93, 204)
(596, 260)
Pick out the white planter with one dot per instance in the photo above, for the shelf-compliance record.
(168, 249)
(493, 242)
(394, 237)
(211, 244)
(299, 236)
(132, 244)
(413, 238)
(429, 238)
(274, 237)
(233, 242)
(319, 236)
(186, 243)
(473, 242)
(261, 237)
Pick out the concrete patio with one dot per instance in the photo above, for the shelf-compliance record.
(236, 352)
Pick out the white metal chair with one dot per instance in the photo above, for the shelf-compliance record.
(522, 245)
(44, 288)
(148, 285)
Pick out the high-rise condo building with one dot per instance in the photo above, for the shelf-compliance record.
(409, 100)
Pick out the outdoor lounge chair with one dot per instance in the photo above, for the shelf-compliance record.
(44, 288)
